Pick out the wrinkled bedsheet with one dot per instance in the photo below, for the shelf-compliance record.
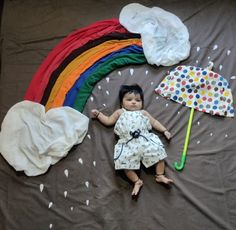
(83, 191)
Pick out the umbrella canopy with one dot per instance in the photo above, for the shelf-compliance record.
(200, 89)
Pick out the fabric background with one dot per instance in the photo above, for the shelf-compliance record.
(83, 191)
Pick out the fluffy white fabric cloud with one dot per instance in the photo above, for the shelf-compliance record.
(165, 39)
(31, 139)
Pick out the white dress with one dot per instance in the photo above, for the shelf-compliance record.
(136, 144)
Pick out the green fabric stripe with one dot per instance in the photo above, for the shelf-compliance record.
(112, 64)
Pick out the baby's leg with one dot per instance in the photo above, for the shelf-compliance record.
(160, 170)
(138, 183)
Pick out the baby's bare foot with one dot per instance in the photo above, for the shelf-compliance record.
(137, 186)
(163, 179)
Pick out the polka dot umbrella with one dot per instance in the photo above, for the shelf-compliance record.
(200, 89)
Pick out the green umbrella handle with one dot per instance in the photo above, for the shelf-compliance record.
(180, 166)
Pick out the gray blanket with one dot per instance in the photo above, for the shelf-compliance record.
(83, 191)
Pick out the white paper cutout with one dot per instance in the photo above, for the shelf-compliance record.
(87, 202)
(131, 71)
(87, 184)
(66, 172)
(215, 47)
(65, 194)
(41, 187)
(50, 204)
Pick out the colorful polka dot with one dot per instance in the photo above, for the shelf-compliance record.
(200, 88)
(189, 103)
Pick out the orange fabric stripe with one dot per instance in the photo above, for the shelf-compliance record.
(73, 71)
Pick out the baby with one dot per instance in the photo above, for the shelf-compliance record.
(136, 143)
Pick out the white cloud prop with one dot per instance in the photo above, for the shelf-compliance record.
(31, 139)
(165, 39)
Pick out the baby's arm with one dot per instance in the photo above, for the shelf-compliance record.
(157, 125)
(106, 120)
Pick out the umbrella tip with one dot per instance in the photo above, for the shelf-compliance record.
(210, 65)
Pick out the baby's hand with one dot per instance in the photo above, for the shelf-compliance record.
(167, 135)
(94, 113)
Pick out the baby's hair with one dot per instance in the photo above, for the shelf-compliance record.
(136, 89)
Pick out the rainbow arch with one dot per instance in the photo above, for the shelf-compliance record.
(69, 73)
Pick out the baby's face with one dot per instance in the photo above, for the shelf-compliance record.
(132, 102)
